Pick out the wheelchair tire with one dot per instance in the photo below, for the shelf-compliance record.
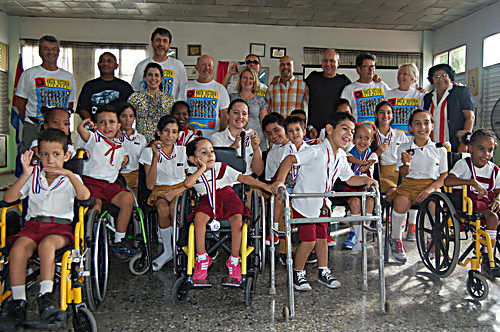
(138, 264)
(438, 240)
(179, 220)
(84, 321)
(257, 233)
(477, 286)
(180, 291)
(249, 291)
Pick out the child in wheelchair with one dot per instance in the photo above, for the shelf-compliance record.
(51, 191)
(213, 182)
(165, 164)
(101, 170)
(423, 167)
(180, 111)
(482, 178)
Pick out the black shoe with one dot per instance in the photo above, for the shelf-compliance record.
(124, 248)
(312, 258)
(326, 279)
(493, 272)
(282, 259)
(300, 282)
(47, 306)
(13, 314)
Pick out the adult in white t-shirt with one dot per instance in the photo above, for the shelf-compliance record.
(405, 98)
(208, 100)
(364, 94)
(174, 72)
(44, 85)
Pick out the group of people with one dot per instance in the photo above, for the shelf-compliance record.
(171, 125)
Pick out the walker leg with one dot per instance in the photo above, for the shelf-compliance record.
(289, 261)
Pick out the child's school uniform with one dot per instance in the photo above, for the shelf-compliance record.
(186, 136)
(133, 146)
(225, 139)
(273, 160)
(388, 159)
(101, 170)
(227, 202)
(488, 177)
(367, 155)
(50, 208)
(170, 170)
(290, 148)
(427, 164)
(319, 168)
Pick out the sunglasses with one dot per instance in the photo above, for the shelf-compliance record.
(252, 62)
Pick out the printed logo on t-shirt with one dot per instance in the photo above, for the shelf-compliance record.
(103, 98)
(366, 101)
(203, 106)
(167, 82)
(51, 92)
(261, 93)
(401, 110)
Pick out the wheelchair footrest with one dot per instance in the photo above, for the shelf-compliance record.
(231, 282)
(7, 324)
(57, 321)
(201, 283)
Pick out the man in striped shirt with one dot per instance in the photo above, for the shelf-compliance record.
(288, 93)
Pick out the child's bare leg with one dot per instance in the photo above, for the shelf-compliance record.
(200, 229)
(125, 202)
(303, 251)
(401, 206)
(491, 219)
(97, 205)
(47, 252)
(22, 250)
(163, 210)
(322, 252)
(355, 207)
(236, 225)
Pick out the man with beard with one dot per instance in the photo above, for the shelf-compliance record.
(288, 93)
(174, 72)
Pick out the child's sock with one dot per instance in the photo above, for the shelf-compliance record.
(493, 236)
(412, 217)
(119, 237)
(18, 292)
(234, 260)
(397, 225)
(46, 286)
(202, 257)
(356, 227)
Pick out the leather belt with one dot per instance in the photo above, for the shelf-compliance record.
(53, 220)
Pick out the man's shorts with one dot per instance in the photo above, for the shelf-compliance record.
(311, 232)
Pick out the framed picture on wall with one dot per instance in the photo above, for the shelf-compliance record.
(3, 151)
(264, 75)
(191, 72)
(258, 49)
(194, 50)
(172, 52)
(278, 52)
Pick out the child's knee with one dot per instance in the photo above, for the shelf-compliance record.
(236, 220)
(124, 199)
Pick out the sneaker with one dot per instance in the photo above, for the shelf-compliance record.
(350, 241)
(124, 247)
(234, 270)
(47, 306)
(201, 268)
(411, 235)
(325, 278)
(398, 250)
(356, 249)
(268, 240)
(331, 242)
(300, 282)
(487, 270)
(15, 312)
(312, 258)
(282, 259)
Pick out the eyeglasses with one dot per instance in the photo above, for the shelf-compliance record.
(252, 62)
(368, 67)
(436, 77)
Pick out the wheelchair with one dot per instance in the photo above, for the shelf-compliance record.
(252, 244)
(72, 271)
(444, 220)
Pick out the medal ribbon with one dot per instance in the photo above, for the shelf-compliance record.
(364, 157)
(295, 169)
(388, 137)
(36, 182)
(330, 178)
(162, 155)
(113, 145)
(128, 137)
(492, 182)
(210, 186)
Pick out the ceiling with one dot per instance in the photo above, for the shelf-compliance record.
(369, 14)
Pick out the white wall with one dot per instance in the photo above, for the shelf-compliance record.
(4, 28)
(224, 41)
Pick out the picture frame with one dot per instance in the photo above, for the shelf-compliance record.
(3, 151)
(278, 52)
(258, 49)
(193, 50)
(173, 52)
(264, 75)
(191, 72)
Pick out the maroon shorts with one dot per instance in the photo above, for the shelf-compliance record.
(227, 205)
(37, 231)
(311, 232)
(353, 189)
(101, 189)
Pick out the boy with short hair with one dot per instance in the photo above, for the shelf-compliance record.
(101, 170)
(320, 166)
(273, 125)
(51, 191)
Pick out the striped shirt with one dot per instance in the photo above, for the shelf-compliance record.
(284, 98)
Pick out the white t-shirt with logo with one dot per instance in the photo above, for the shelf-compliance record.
(363, 98)
(403, 104)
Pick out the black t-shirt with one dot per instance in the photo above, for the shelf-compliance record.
(100, 92)
(324, 94)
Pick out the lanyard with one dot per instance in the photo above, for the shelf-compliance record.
(210, 186)
(331, 172)
(295, 169)
(162, 155)
(491, 183)
(129, 138)
(37, 184)
(364, 157)
(388, 138)
(113, 145)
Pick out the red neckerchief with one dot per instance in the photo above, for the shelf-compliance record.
(113, 145)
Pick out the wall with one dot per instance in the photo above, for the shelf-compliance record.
(4, 28)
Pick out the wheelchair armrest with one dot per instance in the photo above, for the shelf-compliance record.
(4, 204)
(85, 203)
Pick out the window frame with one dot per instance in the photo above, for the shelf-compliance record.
(484, 39)
(449, 51)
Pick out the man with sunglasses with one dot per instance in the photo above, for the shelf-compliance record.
(252, 61)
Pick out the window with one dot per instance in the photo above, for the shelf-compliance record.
(455, 58)
(491, 50)
(127, 60)
(31, 58)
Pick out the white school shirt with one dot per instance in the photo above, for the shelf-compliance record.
(168, 171)
(462, 171)
(225, 139)
(57, 202)
(133, 145)
(373, 156)
(312, 177)
(396, 138)
(99, 166)
(290, 148)
(428, 162)
(71, 148)
(273, 160)
(229, 178)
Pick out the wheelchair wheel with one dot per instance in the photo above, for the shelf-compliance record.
(438, 234)
(179, 221)
(84, 321)
(249, 290)
(138, 264)
(257, 233)
(180, 291)
(477, 286)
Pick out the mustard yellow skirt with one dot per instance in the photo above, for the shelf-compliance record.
(160, 190)
(388, 177)
(131, 179)
(410, 188)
